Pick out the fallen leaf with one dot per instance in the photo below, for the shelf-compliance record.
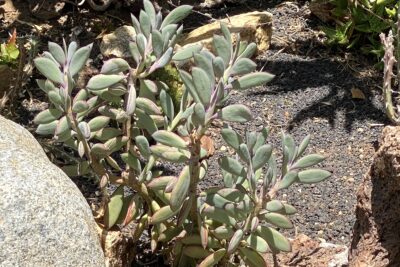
(206, 142)
(357, 94)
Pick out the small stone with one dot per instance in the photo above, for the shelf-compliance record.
(62, 20)
(223, 148)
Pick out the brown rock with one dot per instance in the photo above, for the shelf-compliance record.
(376, 234)
(307, 252)
(118, 247)
(253, 27)
(8, 12)
(117, 43)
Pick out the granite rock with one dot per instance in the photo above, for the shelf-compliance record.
(44, 219)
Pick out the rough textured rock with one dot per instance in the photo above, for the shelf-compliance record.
(44, 219)
(376, 232)
(8, 12)
(117, 42)
(118, 246)
(253, 27)
(307, 252)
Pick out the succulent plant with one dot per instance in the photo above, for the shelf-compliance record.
(107, 120)
(240, 218)
(124, 122)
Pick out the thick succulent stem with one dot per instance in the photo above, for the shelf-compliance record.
(194, 167)
(275, 259)
(128, 127)
(144, 193)
(128, 124)
(257, 201)
(72, 120)
(389, 61)
(98, 169)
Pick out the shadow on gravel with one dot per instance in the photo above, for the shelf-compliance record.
(330, 85)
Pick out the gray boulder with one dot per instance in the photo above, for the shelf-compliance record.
(44, 219)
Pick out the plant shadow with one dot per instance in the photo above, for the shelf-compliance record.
(324, 88)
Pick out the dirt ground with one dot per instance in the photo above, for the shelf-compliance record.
(312, 93)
